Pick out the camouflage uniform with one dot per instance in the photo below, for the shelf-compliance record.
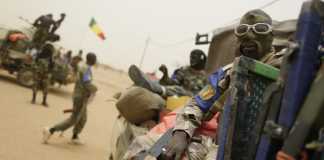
(42, 76)
(57, 24)
(192, 115)
(84, 90)
(190, 79)
(254, 40)
(185, 81)
(43, 26)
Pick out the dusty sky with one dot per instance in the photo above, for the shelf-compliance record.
(170, 24)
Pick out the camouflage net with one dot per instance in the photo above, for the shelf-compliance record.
(239, 129)
(250, 105)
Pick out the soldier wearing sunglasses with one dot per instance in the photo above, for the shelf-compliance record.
(254, 35)
(254, 40)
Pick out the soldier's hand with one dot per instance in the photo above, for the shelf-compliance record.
(63, 15)
(176, 146)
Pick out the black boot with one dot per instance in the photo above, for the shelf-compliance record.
(33, 101)
(44, 100)
(141, 79)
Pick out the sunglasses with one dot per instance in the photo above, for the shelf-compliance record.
(258, 28)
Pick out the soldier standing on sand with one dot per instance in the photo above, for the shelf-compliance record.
(42, 68)
(84, 91)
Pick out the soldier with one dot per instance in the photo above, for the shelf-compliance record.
(42, 67)
(187, 80)
(58, 56)
(254, 39)
(84, 91)
(74, 63)
(44, 22)
(193, 77)
(67, 57)
(43, 25)
(80, 53)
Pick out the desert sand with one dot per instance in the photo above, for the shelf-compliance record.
(21, 122)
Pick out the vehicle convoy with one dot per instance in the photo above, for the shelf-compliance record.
(13, 56)
(16, 58)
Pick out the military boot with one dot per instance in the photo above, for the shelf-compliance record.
(44, 103)
(33, 101)
(141, 79)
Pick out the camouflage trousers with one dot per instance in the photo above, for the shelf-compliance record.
(175, 90)
(39, 37)
(41, 84)
(204, 150)
(78, 118)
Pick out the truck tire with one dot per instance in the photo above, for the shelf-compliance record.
(25, 78)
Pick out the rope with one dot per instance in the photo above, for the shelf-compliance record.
(237, 19)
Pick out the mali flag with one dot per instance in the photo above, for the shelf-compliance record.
(96, 29)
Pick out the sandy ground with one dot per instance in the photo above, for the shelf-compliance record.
(21, 123)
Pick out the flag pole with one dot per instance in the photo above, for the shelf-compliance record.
(144, 51)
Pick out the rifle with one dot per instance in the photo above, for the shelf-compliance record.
(303, 67)
(69, 110)
(311, 113)
(157, 149)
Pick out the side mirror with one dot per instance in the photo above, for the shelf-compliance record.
(202, 39)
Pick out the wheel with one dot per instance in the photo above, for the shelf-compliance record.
(25, 78)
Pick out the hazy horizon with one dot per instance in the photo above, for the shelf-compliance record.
(171, 25)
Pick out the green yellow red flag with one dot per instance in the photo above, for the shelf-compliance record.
(96, 29)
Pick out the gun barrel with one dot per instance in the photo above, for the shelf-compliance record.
(319, 7)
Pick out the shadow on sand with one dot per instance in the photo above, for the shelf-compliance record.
(61, 92)
(58, 91)
(8, 78)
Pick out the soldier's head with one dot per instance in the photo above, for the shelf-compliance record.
(254, 34)
(69, 53)
(91, 59)
(197, 59)
(49, 15)
(63, 15)
(80, 53)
